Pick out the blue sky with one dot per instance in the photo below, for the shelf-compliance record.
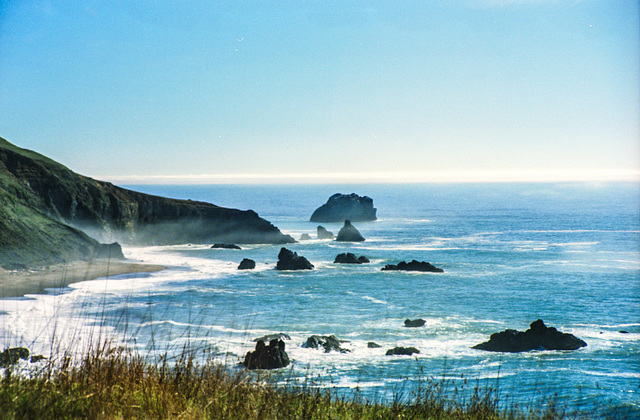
(312, 91)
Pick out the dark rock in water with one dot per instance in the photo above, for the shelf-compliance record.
(11, 356)
(402, 351)
(225, 246)
(340, 207)
(349, 233)
(272, 356)
(247, 264)
(413, 266)
(349, 258)
(324, 233)
(623, 332)
(110, 251)
(414, 323)
(289, 260)
(269, 337)
(537, 337)
(305, 237)
(373, 345)
(328, 343)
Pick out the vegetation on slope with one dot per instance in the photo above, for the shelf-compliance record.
(45, 208)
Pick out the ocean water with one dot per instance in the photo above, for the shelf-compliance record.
(512, 253)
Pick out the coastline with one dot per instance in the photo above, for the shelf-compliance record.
(15, 284)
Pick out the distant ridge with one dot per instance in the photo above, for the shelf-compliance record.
(50, 214)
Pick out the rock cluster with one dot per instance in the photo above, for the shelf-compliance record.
(11, 356)
(413, 266)
(289, 260)
(349, 258)
(537, 337)
(272, 356)
(402, 351)
(340, 207)
(328, 343)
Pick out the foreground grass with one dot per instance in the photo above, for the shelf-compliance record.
(108, 384)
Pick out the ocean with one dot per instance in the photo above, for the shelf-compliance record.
(566, 253)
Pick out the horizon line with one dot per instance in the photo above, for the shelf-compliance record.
(601, 175)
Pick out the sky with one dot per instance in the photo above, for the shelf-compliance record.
(199, 91)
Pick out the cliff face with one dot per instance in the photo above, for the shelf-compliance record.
(36, 191)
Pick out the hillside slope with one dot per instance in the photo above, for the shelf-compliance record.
(47, 212)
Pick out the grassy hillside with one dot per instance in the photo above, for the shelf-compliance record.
(28, 236)
(45, 207)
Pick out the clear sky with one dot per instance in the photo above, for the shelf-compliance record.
(198, 91)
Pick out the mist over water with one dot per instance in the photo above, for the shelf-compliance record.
(512, 253)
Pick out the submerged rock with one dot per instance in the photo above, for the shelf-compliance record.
(537, 337)
(402, 351)
(373, 345)
(349, 233)
(413, 266)
(328, 343)
(272, 356)
(345, 206)
(349, 258)
(414, 323)
(247, 264)
(324, 233)
(289, 260)
(225, 246)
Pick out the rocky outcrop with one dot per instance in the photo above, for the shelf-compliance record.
(225, 246)
(402, 351)
(349, 233)
(328, 343)
(537, 337)
(324, 233)
(414, 323)
(349, 258)
(413, 266)
(50, 214)
(340, 207)
(305, 237)
(109, 251)
(272, 356)
(247, 264)
(12, 355)
(373, 345)
(289, 260)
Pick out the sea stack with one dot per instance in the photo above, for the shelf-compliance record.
(349, 233)
(345, 206)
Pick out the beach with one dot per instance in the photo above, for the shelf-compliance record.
(25, 282)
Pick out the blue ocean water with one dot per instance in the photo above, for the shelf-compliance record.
(512, 253)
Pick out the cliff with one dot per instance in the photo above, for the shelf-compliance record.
(48, 213)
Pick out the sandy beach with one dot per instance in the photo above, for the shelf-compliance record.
(20, 283)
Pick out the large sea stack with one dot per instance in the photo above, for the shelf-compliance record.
(49, 214)
(340, 207)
